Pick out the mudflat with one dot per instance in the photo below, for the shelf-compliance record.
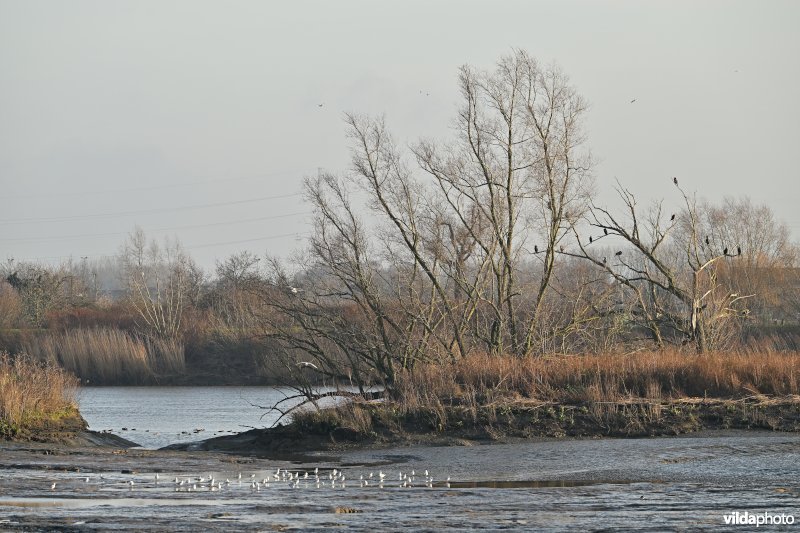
(555, 484)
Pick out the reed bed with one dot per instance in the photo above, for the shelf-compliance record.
(109, 356)
(166, 356)
(31, 391)
(643, 393)
(481, 380)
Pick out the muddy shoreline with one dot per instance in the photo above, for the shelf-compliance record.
(527, 467)
(460, 426)
(513, 423)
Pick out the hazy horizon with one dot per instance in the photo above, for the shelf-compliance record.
(198, 120)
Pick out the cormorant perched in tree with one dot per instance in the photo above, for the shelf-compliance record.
(618, 253)
(707, 243)
(605, 231)
(739, 250)
(672, 218)
(590, 239)
(536, 248)
(675, 180)
(725, 251)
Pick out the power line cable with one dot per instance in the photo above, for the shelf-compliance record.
(114, 233)
(296, 234)
(153, 187)
(192, 247)
(145, 211)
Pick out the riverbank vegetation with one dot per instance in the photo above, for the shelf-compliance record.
(35, 397)
(639, 394)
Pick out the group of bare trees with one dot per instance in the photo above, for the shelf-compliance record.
(490, 242)
(673, 267)
(28, 291)
(162, 280)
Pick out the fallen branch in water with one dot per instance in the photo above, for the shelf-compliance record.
(313, 398)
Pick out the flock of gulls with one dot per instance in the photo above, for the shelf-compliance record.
(286, 478)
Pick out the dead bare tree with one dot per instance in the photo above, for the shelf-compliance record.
(767, 257)
(670, 267)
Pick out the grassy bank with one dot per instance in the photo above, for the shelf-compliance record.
(36, 399)
(646, 393)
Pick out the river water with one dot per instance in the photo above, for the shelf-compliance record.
(683, 483)
(157, 416)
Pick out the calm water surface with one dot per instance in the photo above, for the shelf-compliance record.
(157, 416)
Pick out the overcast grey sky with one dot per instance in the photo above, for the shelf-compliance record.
(198, 119)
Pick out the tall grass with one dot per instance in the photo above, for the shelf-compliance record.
(31, 391)
(166, 356)
(483, 380)
(108, 356)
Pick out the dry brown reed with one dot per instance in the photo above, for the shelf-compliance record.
(31, 391)
(108, 356)
(482, 380)
(166, 356)
(350, 415)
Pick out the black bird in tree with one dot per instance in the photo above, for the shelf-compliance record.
(725, 251)
(672, 218)
(707, 242)
(605, 231)
(738, 250)
(618, 253)
(536, 248)
(675, 180)
(590, 239)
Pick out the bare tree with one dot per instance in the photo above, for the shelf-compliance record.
(767, 256)
(670, 267)
(338, 317)
(161, 281)
(233, 298)
(519, 164)
(41, 289)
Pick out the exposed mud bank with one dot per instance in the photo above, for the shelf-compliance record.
(660, 484)
(509, 422)
(70, 430)
(383, 425)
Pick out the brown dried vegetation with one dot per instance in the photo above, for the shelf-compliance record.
(33, 393)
